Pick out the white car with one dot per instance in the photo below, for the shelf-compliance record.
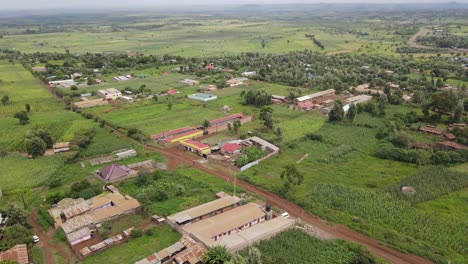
(36, 239)
(285, 215)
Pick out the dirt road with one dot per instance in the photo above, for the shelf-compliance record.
(178, 157)
(45, 241)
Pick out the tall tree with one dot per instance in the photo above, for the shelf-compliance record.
(22, 116)
(336, 113)
(352, 112)
(35, 146)
(42, 134)
(5, 99)
(266, 115)
(28, 108)
(291, 176)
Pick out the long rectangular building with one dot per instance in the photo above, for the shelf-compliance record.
(205, 210)
(225, 224)
(315, 96)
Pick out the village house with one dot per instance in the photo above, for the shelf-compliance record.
(359, 99)
(236, 81)
(248, 74)
(203, 97)
(114, 172)
(109, 94)
(127, 99)
(307, 106)
(450, 136)
(61, 147)
(431, 130)
(421, 146)
(279, 99)
(78, 217)
(18, 254)
(231, 148)
(365, 88)
(189, 82)
(449, 145)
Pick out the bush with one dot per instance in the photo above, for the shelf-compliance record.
(149, 232)
(136, 233)
(314, 137)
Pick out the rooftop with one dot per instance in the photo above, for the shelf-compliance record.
(204, 209)
(18, 253)
(226, 119)
(315, 95)
(207, 228)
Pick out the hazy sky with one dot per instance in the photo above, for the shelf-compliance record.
(80, 4)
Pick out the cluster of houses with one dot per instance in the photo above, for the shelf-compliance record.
(450, 140)
(184, 251)
(78, 218)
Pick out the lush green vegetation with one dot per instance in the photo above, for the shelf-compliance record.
(308, 249)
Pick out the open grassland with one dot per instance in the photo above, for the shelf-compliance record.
(189, 37)
(453, 204)
(137, 248)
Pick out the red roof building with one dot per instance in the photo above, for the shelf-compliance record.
(227, 119)
(231, 148)
(172, 91)
(171, 133)
(114, 172)
(449, 145)
(450, 136)
(195, 146)
(18, 253)
(165, 73)
(307, 105)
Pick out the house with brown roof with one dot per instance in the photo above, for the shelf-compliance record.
(18, 253)
(417, 145)
(450, 136)
(449, 145)
(114, 172)
(431, 130)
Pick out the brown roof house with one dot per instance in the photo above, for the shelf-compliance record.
(449, 145)
(18, 253)
(115, 172)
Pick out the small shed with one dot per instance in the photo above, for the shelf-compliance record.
(61, 147)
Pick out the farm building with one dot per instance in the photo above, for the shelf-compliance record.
(61, 147)
(315, 96)
(63, 83)
(203, 211)
(431, 130)
(123, 78)
(78, 217)
(359, 99)
(189, 82)
(114, 172)
(449, 145)
(203, 97)
(221, 124)
(236, 81)
(200, 148)
(109, 94)
(90, 103)
(18, 253)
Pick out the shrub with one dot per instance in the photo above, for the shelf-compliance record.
(136, 233)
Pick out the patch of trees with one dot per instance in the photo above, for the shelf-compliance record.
(316, 41)
(444, 41)
(22, 117)
(37, 142)
(257, 98)
(18, 230)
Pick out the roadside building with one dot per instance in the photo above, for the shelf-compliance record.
(234, 82)
(176, 135)
(18, 253)
(63, 83)
(61, 147)
(200, 148)
(203, 211)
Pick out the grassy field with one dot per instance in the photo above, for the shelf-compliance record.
(137, 248)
